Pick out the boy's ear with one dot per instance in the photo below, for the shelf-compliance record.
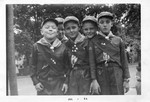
(41, 32)
(112, 23)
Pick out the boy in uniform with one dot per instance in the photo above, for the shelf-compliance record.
(79, 81)
(50, 62)
(61, 33)
(90, 28)
(111, 67)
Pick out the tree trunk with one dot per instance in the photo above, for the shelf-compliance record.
(12, 78)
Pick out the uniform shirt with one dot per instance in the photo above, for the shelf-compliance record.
(56, 53)
(113, 47)
(78, 51)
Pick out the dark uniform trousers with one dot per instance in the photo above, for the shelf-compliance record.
(79, 82)
(110, 78)
(52, 86)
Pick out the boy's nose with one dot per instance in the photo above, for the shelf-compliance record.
(71, 30)
(50, 29)
(105, 23)
(88, 30)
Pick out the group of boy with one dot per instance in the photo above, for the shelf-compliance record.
(97, 62)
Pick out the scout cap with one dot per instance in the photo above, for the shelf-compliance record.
(90, 18)
(71, 18)
(60, 20)
(49, 19)
(105, 14)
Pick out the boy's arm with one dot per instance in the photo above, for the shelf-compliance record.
(33, 68)
(67, 63)
(92, 61)
(94, 87)
(124, 61)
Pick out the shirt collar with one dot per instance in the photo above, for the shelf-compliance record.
(56, 43)
(106, 37)
(79, 38)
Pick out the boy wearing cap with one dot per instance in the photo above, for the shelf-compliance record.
(61, 34)
(111, 70)
(90, 28)
(50, 62)
(79, 81)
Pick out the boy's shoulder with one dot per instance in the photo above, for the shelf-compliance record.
(117, 38)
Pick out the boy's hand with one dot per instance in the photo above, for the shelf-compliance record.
(39, 87)
(94, 87)
(65, 88)
(126, 86)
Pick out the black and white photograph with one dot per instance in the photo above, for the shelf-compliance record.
(80, 52)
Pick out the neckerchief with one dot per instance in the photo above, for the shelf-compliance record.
(108, 37)
(79, 38)
(106, 56)
(55, 44)
(104, 43)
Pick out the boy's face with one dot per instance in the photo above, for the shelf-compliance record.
(49, 30)
(60, 31)
(105, 25)
(71, 29)
(89, 29)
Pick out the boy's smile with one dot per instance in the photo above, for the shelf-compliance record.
(89, 29)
